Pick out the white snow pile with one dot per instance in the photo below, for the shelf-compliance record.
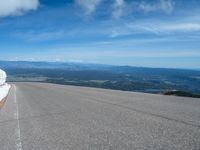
(4, 87)
(2, 77)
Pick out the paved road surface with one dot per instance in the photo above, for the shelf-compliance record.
(55, 117)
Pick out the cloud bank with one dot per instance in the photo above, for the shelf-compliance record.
(89, 5)
(118, 8)
(17, 7)
(163, 5)
(167, 28)
(157, 28)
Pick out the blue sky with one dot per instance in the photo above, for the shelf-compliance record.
(151, 33)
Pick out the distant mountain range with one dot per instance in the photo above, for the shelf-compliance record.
(151, 80)
(46, 65)
(82, 66)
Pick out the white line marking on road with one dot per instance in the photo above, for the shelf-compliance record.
(18, 134)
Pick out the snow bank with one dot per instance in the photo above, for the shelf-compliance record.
(2, 77)
(4, 88)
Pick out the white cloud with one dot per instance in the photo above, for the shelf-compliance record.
(118, 7)
(168, 28)
(17, 7)
(163, 5)
(89, 5)
(33, 36)
(184, 27)
(159, 28)
(45, 36)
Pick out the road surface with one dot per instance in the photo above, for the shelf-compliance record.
(40, 116)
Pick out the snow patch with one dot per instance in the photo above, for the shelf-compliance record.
(2, 77)
(4, 89)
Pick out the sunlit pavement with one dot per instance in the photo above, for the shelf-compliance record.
(47, 116)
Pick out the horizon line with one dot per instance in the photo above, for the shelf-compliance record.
(91, 63)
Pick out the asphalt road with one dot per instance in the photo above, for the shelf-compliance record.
(55, 117)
